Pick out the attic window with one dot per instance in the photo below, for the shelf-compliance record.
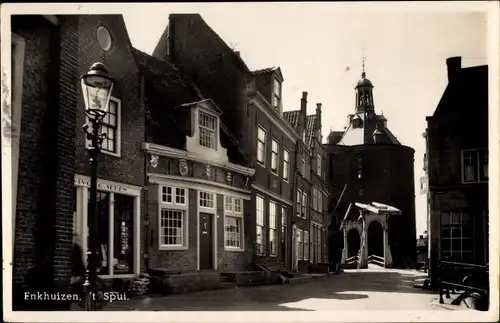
(357, 123)
(276, 95)
(207, 125)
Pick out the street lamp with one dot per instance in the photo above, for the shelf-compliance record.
(97, 86)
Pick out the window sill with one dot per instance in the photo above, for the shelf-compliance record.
(476, 182)
(274, 172)
(109, 153)
(232, 249)
(172, 248)
(261, 164)
(285, 180)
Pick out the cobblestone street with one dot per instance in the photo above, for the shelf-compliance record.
(371, 289)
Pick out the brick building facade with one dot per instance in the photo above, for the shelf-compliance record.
(252, 108)
(368, 164)
(456, 164)
(51, 52)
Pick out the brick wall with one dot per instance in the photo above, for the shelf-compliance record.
(129, 167)
(199, 53)
(43, 237)
(182, 260)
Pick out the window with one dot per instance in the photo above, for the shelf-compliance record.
(304, 205)
(173, 217)
(315, 198)
(319, 160)
(172, 227)
(456, 236)
(207, 200)
(475, 166)
(233, 223)
(111, 126)
(325, 240)
(306, 245)
(286, 164)
(274, 156)
(318, 244)
(272, 228)
(303, 162)
(260, 225)
(298, 200)
(207, 126)
(173, 195)
(261, 146)
(276, 95)
(300, 244)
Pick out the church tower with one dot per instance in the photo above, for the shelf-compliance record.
(364, 94)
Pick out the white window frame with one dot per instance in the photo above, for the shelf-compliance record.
(273, 224)
(456, 222)
(215, 131)
(478, 165)
(259, 221)
(261, 145)
(306, 245)
(298, 203)
(275, 156)
(286, 164)
(232, 211)
(315, 198)
(300, 244)
(304, 205)
(276, 100)
(303, 162)
(173, 205)
(118, 135)
(319, 160)
(205, 197)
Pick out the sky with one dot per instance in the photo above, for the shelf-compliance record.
(319, 47)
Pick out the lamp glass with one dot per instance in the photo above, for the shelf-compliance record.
(96, 92)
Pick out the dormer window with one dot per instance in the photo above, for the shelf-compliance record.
(207, 125)
(276, 95)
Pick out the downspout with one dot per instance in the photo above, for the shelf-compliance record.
(294, 192)
(145, 223)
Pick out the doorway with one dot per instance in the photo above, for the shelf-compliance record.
(295, 248)
(206, 242)
(375, 239)
(353, 243)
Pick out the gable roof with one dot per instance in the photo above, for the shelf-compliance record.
(167, 88)
(373, 207)
(275, 69)
(310, 129)
(292, 118)
(471, 85)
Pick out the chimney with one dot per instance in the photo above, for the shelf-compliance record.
(237, 53)
(454, 65)
(318, 123)
(303, 113)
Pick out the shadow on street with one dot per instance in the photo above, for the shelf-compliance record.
(348, 286)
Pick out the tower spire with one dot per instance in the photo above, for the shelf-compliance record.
(363, 74)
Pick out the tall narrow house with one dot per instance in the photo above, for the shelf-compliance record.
(457, 168)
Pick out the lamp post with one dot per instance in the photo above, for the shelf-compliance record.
(97, 86)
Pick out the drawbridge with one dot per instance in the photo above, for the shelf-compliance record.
(369, 224)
